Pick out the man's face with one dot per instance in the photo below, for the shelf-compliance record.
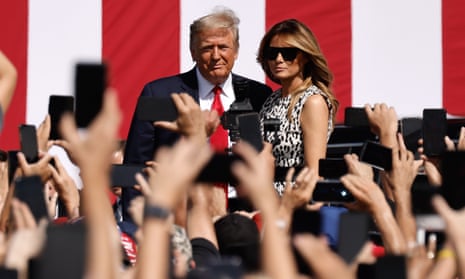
(214, 51)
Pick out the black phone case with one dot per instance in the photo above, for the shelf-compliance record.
(218, 169)
(376, 155)
(28, 142)
(63, 255)
(249, 130)
(124, 175)
(353, 233)
(90, 84)
(355, 117)
(30, 190)
(57, 106)
(434, 129)
(156, 109)
(453, 175)
(332, 167)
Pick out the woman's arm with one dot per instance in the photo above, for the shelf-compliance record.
(314, 123)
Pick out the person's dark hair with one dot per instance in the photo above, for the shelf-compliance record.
(221, 18)
(316, 71)
(238, 236)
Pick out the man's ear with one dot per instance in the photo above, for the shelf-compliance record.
(193, 54)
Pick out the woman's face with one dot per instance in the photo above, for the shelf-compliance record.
(285, 62)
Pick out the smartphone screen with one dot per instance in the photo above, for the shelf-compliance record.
(28, 142)
(353, 233)
(30, 190)
(332, 167)
(434, 129)
(249, 129)
(377, 155)
(124, 175)
(331, 191)
(12, 164)
(90, 84)
(156, 109)
(218, 169)
(57, 106)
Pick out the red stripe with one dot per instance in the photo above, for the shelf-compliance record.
(13, 42)
(140, 42)
(330, 21)
(453, 52)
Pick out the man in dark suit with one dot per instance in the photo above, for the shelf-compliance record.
(214, 45)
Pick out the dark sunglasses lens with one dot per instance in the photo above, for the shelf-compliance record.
(288, 53)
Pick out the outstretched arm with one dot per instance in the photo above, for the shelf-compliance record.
(8, 77)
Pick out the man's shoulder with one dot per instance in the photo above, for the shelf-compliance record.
(174, 83)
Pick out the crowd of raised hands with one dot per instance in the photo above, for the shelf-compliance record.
(172, 199)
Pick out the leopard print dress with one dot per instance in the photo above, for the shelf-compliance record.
(288, 147)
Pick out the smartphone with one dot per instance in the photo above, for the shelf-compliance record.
(426, 217)
(411, 132)
(249, 129)
(331, 191)
(30, 190)
(306, 221)
(124, 175)
(57, 106)
(218, 169)
(376, 155)
(12, 164)
(7, 273)
(434, 129)
(28, 142)
(387, 267)
(63, 255)
(156, 109)
(355, 117)
(453, 175)
(303, 222)
(332, 167)
(90, 84)
(353, 233)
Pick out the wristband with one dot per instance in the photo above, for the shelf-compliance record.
(156, 212)
(446, 253)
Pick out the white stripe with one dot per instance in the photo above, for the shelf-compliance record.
(397, 54)
(61, 32)
(251, 30)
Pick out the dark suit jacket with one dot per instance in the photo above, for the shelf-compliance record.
(144, 139)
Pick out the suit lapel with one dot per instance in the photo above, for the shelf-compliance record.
(189, 84)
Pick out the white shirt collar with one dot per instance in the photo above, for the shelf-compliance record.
(205, 87)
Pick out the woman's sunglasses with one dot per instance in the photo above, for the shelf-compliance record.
(288, 53)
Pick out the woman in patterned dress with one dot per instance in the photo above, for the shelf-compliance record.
(304, 105)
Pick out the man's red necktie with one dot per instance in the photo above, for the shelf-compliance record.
(219, 139)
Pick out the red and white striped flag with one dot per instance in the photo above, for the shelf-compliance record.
(409, 54)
